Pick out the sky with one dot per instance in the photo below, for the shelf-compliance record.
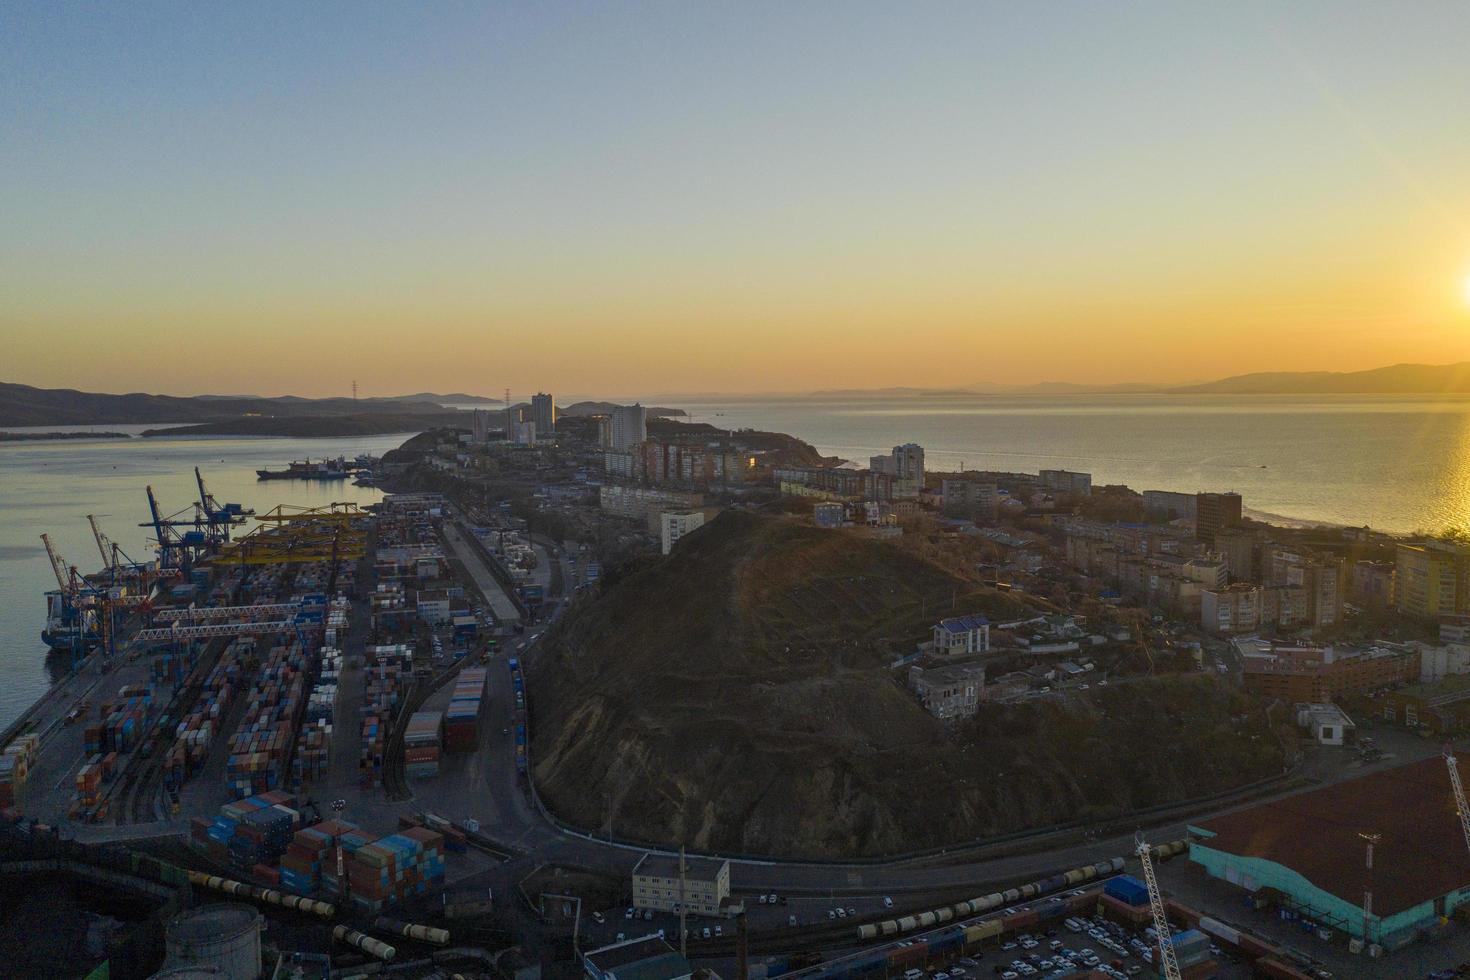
(625, 198)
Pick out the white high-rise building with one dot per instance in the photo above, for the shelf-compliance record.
(674, 525)
(629, 426)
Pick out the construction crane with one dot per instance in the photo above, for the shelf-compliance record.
(1168, 962)
(1464, 812)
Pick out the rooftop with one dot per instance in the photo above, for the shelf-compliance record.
(1420, 857)
(963, 624)
(645, 958)
(667, 866)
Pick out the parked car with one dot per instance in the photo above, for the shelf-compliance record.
(887, 902)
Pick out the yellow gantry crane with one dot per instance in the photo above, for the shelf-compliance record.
(300, 534)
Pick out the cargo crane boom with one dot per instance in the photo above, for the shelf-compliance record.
(1464, 813)
(1168, 962)
(58, 567)
(104, 546)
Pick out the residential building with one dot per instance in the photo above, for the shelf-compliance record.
(1437, 663)
(961, 635)
(480, 427)
(1372, 585)
(1213, 512)
(1233, 609)
(543, 413)
(604, 430)
(675, 525)
(1454, 629)
(1308, 850)
(1320, 674)
(700, 888)
(829, 514)
(640, 958)
(1432, 579)
(1240, 550)
(1167, 505)
(974, 499)
(905, 466)
(1066, 481)
(1326, 723)
(525, 433)
(949, 693)
(629, 427)
(620, 464)
(640, 502)
(1321, 579)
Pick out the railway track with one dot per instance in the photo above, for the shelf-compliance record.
(395, 781)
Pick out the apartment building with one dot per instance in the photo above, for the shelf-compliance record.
(700, 889)
(675, 525)
(1066, 481)
(1213, 512)
(1233, 609)
(1318, 674)
(1432, 579)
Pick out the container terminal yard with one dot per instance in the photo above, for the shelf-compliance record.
(302, 746)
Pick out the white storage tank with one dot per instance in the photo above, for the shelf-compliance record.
(224, 935)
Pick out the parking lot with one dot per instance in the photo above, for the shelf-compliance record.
(1065, 947)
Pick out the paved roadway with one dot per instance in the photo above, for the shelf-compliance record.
(504, 610)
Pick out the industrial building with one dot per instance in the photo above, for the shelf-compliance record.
(700, 888)
(1309, 852)
(643, 958)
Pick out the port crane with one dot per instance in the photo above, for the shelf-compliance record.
(181, 540)
(104, 545)
(1168, 962)
(218, 518)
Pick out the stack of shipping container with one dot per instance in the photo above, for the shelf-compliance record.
(421, 744)
(396, 867)
(248, 834)
(388, 671)
(313, 746)
(15, 767)
(461, 721)
(261, 749)
(196, 731)
(122, 722)
(313, 850)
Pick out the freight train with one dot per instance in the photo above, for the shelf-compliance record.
(995, 900)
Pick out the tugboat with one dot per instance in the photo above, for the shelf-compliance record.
(326, 469)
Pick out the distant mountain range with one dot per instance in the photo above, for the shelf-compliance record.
(25, 405)
(1397, 379)
(1407, 379)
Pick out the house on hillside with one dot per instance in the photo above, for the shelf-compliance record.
(961, 636)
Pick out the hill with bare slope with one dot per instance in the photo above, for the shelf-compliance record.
(737, 696)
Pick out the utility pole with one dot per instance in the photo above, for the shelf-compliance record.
(1371, 839)
(683, 932)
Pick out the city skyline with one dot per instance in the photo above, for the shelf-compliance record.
(768, 199)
